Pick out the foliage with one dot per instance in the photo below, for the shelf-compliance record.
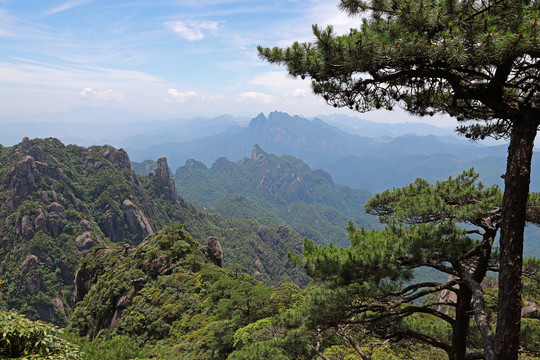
(168, 301)
(371, 286)
(24, 339)
(73, 198)
(474, 60)
(116, 348)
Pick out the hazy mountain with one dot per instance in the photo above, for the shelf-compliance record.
(276, 190)
(313, 141)
(358, 126)
(377, 173)
(88, 126)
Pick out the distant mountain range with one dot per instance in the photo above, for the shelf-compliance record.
(313, 141)
(276, 190)
(362, 162)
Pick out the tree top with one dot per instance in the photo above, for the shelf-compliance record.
(474, 60)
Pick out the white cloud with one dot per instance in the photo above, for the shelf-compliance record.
(107, 95)
(252, 96)
(65, 6)
(191, 30)
(296, 93)
(174, 95)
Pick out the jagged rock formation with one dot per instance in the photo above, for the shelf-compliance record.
(212, 251)
(165, 181)
(58, 203)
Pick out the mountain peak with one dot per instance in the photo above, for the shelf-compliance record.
(257, 153)
(258, 121)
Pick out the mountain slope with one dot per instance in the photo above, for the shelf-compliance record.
(276, 190)
(60, 201)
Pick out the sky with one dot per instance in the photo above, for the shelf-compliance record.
(160, 59)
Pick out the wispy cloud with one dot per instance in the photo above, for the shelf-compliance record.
(107, 95)
(191, 30)
(36, 73)
(65, 6)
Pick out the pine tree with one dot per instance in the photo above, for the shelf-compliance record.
(476, 60)
(422, 231)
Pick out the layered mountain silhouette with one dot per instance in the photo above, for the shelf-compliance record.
(371, 163)
(276, 190)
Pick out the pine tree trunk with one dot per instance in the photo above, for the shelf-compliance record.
(460, 328)
(516, 191)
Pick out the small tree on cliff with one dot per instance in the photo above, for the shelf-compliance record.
(476, 60)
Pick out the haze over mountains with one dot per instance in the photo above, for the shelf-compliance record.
(375, 162)
(358, 153)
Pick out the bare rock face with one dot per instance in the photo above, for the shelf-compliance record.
(257, 275)
(40, 223)
(86, 241)
(165, 180)
(136, 219)
(32, 175)
(111, 227)
(258, 265)
(119, 158)
(85, 224)
(26, 228)
(530, 310)
(212, 251)
(22, 177)
(58, 209)
(28, 269)
(121, 304)
(58, 304)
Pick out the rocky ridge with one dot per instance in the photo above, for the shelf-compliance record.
(58, 203)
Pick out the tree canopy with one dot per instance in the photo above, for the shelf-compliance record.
(449, 227)
(476, 60)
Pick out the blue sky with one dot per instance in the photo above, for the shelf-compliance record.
(161, 59)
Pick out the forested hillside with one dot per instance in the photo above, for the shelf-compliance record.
(276, 190)
(60, 201)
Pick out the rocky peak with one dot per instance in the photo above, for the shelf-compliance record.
(190, 166)
(257, 153)
(165, 181)
(119, 158)
(31, 148)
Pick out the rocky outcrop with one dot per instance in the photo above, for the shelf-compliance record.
(32, 280)
(136, 219)
(87, 240)
(212, 251)
(55, 198)
(530, 310)
(165, 182)
(119, 158)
